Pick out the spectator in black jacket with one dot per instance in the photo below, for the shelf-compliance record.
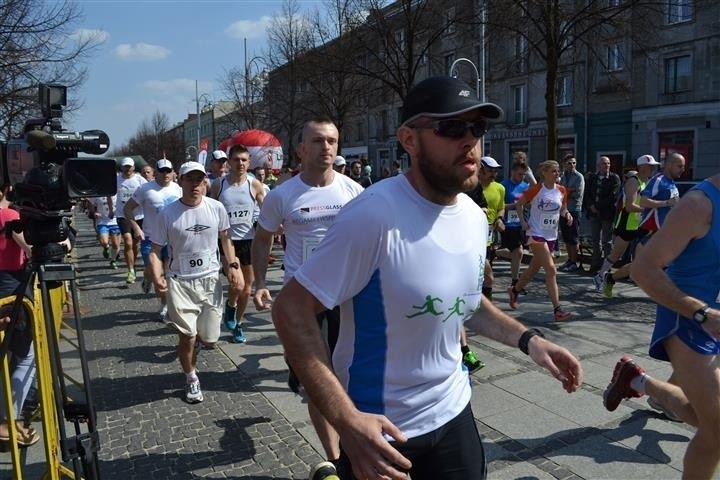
(599, 205)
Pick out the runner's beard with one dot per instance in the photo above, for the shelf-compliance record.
(443, 178)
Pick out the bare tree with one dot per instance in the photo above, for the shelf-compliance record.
(551, 35)
(332, 84)
(154, 140)
(396, 41)
(244, 86)
(38, 45)
(289, 38)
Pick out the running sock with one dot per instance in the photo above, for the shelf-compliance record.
(638, 383)
(487, 291)
(607, 265)
(191, 377)
(464, 349)
(610, 279)
(514, 282)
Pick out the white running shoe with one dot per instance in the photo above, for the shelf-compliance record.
(193, 394)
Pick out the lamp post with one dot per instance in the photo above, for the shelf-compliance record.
(200, 157)
(251, 84)
(190, 152)
(480, 92)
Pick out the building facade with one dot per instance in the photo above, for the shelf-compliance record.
(647, 81)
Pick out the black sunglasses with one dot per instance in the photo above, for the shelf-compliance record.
(455, 128)
(164, 170)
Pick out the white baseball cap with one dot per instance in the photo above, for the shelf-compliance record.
(127, 162)
(188, 167)
(490, 162)
(339, 161)
(164, 163)
(219, 155)
(647, 160)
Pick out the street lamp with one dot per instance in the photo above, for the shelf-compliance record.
(478, 80)
(190, 152)
(208, 101)
(251, 83)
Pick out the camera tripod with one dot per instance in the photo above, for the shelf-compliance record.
(57, 404)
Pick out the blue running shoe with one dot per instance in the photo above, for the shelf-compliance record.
(229, 317)
(237, 335)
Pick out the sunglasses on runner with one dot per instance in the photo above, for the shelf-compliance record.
(455, 127)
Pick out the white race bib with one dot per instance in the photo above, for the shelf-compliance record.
(196, 263)
(513, 216)
(125, 195)
(238, 214)
(549, 221)
(309, 244)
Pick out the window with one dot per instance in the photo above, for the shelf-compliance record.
(448, 61)
(521, 51)
(384, 125)
(615, 59)
(677, 74)
(398, 117)
(400, 40)
(679, 11)
(519, 105)
(359, 129)
(567, 39)
(450, 21)
(565, 90)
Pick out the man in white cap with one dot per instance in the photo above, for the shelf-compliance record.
(339, 164)
(152, 198)
(190, 227)
(127, 182)
(218, 165)
(627, 225)
(494, 194)
(657, 197)
(397, 392)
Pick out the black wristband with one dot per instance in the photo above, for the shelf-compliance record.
(525, 339)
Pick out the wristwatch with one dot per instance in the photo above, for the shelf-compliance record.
(701, 314)
(234, 265)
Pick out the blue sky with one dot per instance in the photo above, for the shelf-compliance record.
(153, 51)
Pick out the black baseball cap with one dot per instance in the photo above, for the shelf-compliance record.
(443, 97)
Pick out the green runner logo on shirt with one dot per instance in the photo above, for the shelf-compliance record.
(429, 308)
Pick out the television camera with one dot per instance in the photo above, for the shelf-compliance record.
(46, 173)
(47, 178)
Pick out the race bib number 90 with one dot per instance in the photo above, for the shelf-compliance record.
(196, 263)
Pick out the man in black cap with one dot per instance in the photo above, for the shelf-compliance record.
(397, 392)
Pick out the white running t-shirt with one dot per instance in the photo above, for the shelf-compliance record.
(152, 198)
(102, 207)
(191, 234)
(305, 213)
(406, 273)
(545, 206)
(125, 189)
